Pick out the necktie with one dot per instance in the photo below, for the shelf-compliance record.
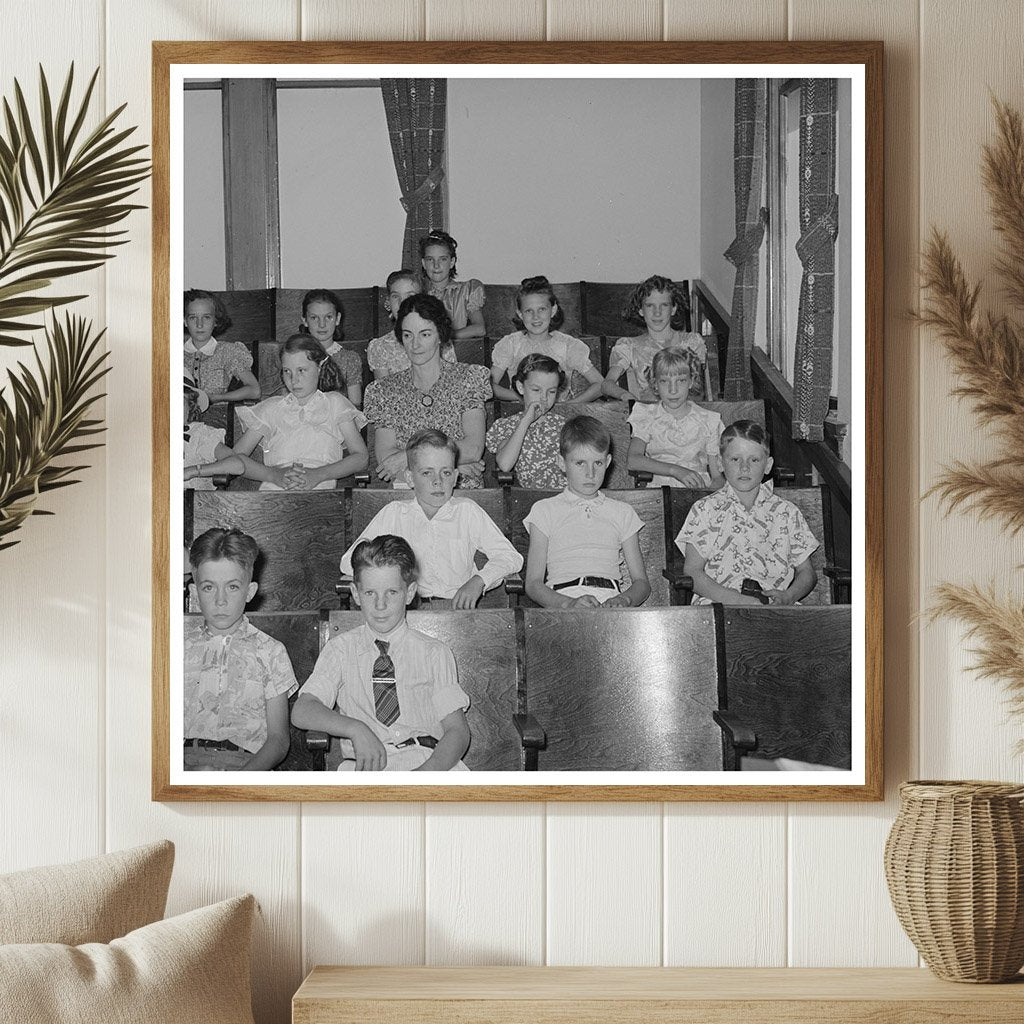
(385, 696)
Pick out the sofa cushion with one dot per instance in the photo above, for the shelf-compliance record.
(92, 900)
(190, 968)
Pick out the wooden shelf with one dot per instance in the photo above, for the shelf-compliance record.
(628, 995)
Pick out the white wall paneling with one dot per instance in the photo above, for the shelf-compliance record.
(835, 852)
(641, 884)
(51, 583)
(963, 724)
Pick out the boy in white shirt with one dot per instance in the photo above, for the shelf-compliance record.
(444, 532)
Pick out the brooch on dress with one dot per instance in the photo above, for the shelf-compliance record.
(427, 400)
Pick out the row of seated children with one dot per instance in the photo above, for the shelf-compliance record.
(312, 437)
(658, 303)
(579, 537)
(390, 692)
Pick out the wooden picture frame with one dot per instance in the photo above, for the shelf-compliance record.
(860, 63)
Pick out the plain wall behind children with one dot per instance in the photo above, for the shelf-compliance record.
(517, 152)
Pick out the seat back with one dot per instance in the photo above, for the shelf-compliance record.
(359, 314)
(252, 323)
(649, 505)
(733, 411)
(630, 690)
(788, 677)
(603, 305)
(500, 307)
(484, 646)
(301, 536)
(300, 634)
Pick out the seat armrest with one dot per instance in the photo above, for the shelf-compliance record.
(514, 584)
(361, 479)
(842, 581)
(682, 585)
(641, 478)
(319, 741)
(785, 475)
(742, 738)
(343, 588)
(533, 738)
(221, 481)
(504, 479)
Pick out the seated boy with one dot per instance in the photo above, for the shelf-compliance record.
(444, 532)
(576, 537)
(746, 531)
(237, 679)
(390, 692)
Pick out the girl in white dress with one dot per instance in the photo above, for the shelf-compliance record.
(675, 438)
(309, 438)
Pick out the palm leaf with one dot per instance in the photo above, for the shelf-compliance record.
(62, 191)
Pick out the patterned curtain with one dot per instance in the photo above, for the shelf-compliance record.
(416, 112)
(751, 218)
(819, 225)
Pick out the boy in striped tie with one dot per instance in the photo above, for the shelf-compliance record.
(390, 692)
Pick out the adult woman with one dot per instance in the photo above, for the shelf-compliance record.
(464, 300)
(431, 393)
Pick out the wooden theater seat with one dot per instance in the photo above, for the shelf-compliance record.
(626, 690)
(364, 504)
(603, 305)
(788, 685)
(300, 634)
(301, 535)
(490, 671)
(833, 582)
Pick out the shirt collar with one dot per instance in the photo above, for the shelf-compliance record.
(206, 350)
(764, 492)
(394, 638)
(314, 400)
(333, 348)
(243, 629)
(571, 498)
(414, 508)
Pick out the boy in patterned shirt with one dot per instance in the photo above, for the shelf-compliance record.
(390, 692)
(746, 531)
(237, 679)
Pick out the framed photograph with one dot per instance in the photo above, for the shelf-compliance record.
(530, 436)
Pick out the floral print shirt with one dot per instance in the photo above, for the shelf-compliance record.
(229, 679)
(212, 366)
(537, 466)
(765, 543)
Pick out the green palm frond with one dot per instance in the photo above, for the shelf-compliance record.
(45, 418)
(62, 191)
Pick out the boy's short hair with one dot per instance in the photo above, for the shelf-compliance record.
(430, 438)
(584, 430)
(218, 543)
(747, 430)
(675, 358)
(383, 551)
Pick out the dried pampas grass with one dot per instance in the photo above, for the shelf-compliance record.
(987, 354)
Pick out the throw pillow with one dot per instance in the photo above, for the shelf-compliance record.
(190, 969)
(92, 900)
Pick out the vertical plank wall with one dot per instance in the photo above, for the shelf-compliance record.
(512, 883)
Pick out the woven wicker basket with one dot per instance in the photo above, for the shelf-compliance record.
(954, 861)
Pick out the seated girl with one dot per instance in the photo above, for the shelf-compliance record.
(464, 300)
(747, 532)
(537, 312)
(322, 314)
(304, 435)
(528, 441)
(676, 439)
(659, 305)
